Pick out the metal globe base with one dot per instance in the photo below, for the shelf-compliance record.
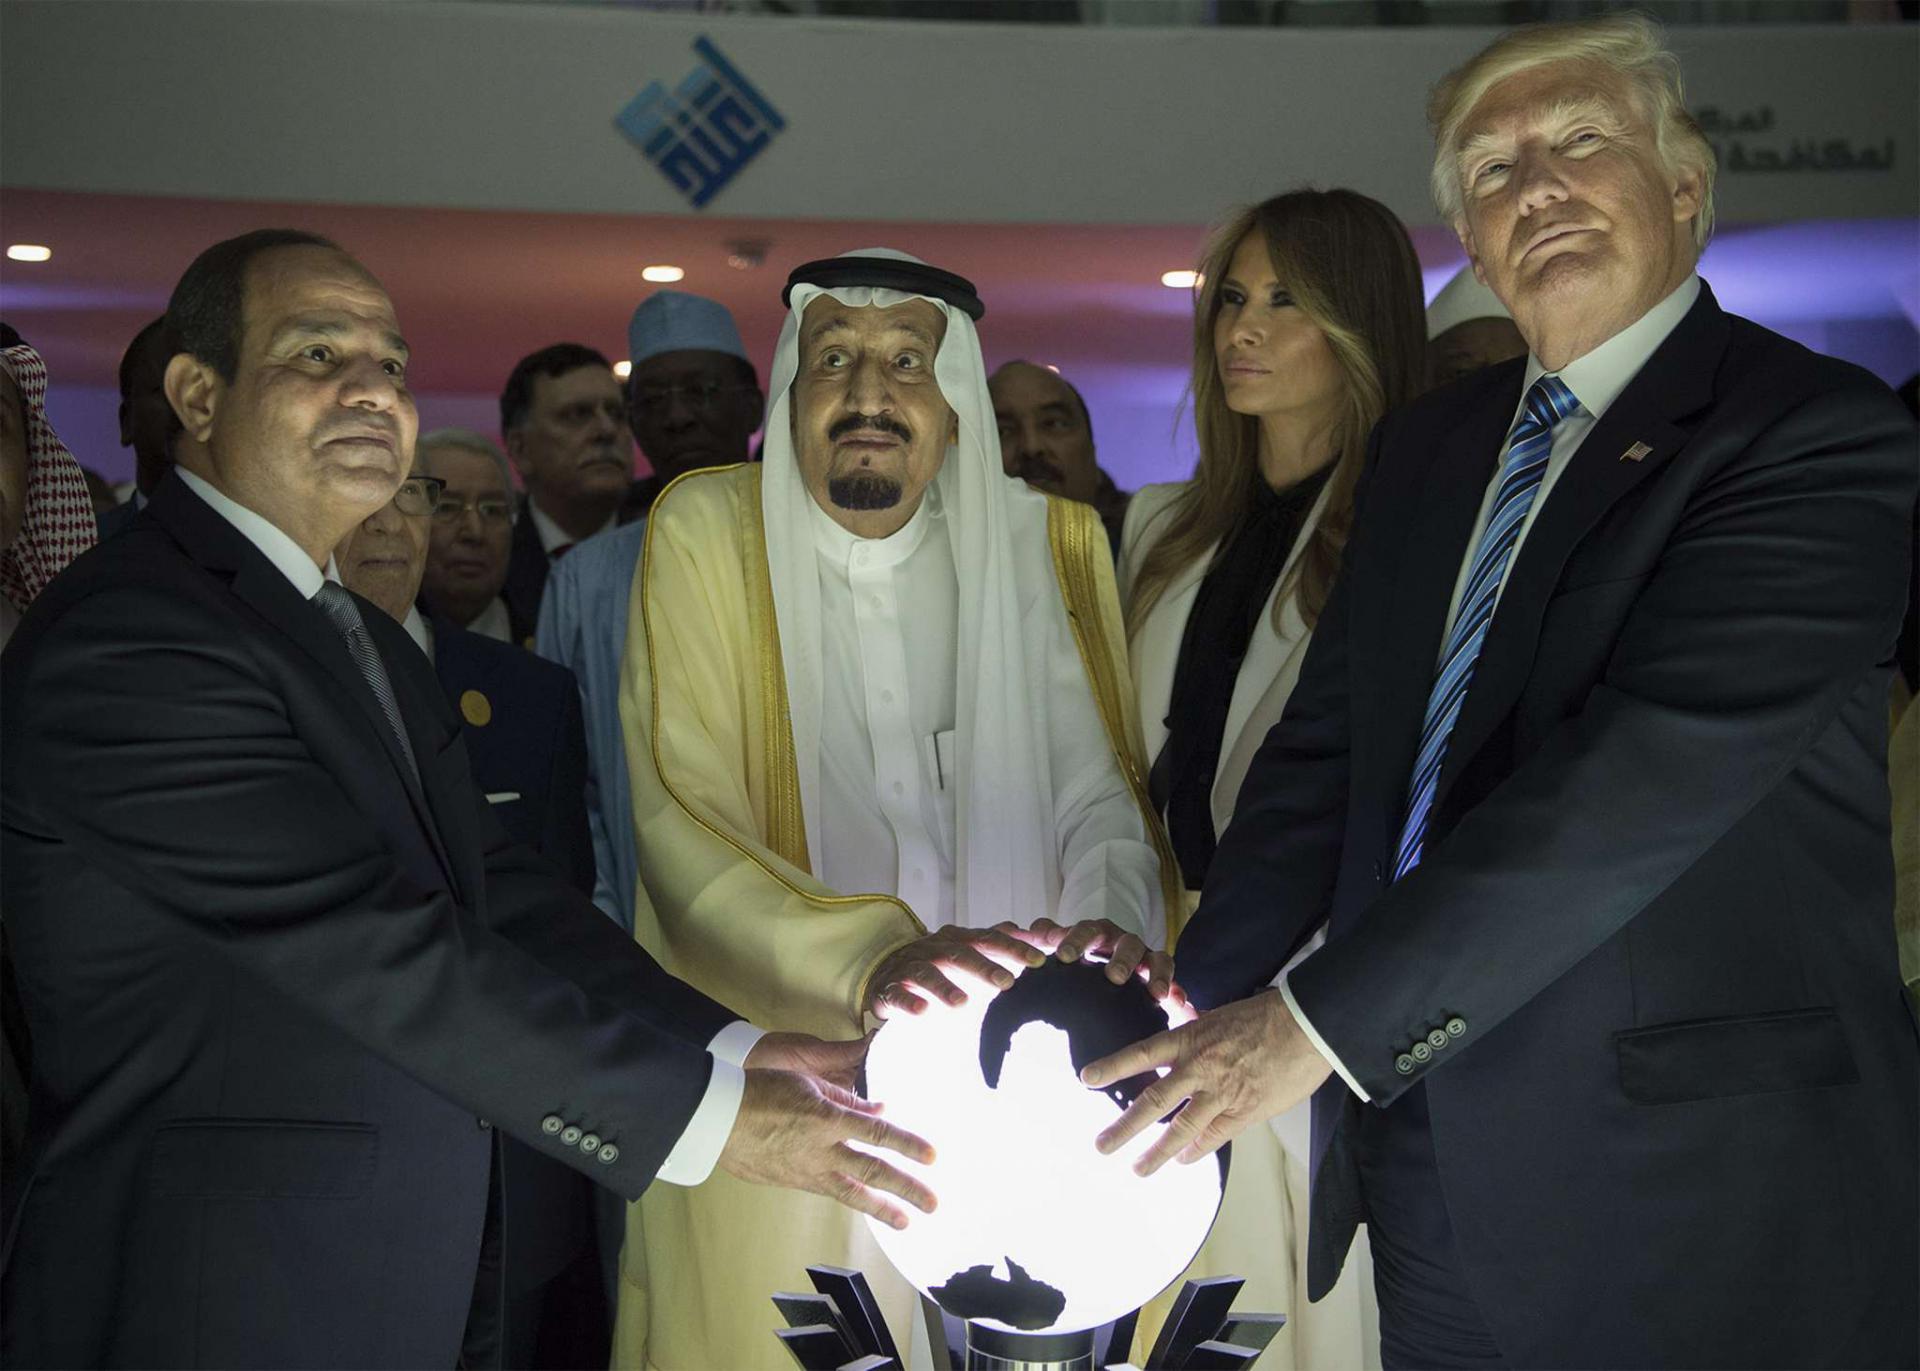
(839, 1328)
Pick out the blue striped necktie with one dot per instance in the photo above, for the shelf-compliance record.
(1548, 402)
(337, 604)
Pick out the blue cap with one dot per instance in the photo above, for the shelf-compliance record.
(674, 321)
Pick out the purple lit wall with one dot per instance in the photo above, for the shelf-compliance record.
(1847, 288)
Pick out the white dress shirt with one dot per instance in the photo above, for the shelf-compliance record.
(553, 536)
(699, 1146)
(492, 622)
(889, 617)
(1596, 381)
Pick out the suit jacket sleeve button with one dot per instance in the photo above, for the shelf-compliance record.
(1403, 1064)
(483, 1124)
(551, 1124)
(1438, 1039)
(590, 1143)
(570, 1135)
(1456, 1027)
(1421, 1052)
(609, 1154)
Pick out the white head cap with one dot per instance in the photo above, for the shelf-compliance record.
(1461, 299)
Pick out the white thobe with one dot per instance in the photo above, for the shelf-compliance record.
(889, 616)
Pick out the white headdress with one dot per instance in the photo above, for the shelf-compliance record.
(1461, 299)
(1005, 850)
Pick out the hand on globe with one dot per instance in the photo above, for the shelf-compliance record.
(1126, 952)
(836, 1062)
(795, 1131)
(1235, 1066)
(908, 977)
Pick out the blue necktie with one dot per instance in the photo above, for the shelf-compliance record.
(1548, 402)
(337, 604)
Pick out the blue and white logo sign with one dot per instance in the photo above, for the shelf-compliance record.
(705, 129)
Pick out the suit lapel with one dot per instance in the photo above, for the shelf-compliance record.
(526, 570)
(220, 547)
(1269, 648)
(1634, 439)
(1158, 653)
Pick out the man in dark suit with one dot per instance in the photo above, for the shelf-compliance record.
(1585, 778)
(565, 424)
(520, 719)
(288, 975)
(147, 424)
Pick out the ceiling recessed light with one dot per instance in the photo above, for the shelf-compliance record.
(29, 252)
(1180, 280)
(623, 368)
(663, 274)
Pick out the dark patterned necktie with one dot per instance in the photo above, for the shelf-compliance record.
(1548, 402)
(337, 604)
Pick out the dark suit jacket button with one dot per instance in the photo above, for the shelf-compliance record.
(570, 1134)
(1456, 1027)
(551, 1124)
(1403, 1064)
(484, 1125)
(1421, 1052)
(590, 1142)
(1437, 1039)
(609, 1154)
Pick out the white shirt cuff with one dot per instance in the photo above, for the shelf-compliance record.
(693, 1157)
(1319, 1044)
(735, 1041)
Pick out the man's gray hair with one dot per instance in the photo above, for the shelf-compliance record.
(1631, 46)
(468, 441)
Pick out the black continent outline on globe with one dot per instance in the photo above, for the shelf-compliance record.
(1019, 1302)
(1097, 1016)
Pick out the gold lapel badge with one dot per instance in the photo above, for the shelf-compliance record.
(475, 708)
(1635, 453)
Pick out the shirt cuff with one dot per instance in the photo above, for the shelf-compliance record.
(735, 1041)
(1320, 1044)
(705, 1136)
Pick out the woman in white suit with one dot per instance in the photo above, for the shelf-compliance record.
(1308, 326)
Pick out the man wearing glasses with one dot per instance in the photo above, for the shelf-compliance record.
(471, 535)
(693, 400)
(521, 720)
(565, 424)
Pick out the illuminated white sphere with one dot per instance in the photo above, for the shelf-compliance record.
(1035, 1232)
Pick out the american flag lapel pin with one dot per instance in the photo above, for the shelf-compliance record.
(1635, 453)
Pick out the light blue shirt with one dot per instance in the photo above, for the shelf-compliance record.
(583, 626)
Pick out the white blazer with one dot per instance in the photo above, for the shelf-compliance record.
(1267, 676)
(1267, 673)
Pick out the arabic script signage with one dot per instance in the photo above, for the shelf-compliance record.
(702, 132)
(1745, 142)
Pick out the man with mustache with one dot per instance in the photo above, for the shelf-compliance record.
(876, 710)
(693, 400)
(1585, 777)
(1046, 440)
(565, 425)
(289, 977)
(147, 425)
(471, 538)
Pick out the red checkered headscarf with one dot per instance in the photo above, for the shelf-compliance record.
(57, 524)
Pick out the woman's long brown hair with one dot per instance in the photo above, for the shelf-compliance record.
(1349, 266)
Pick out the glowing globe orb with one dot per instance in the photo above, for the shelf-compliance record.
(1036, 1232)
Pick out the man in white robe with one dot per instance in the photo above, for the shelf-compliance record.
(873, 688)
